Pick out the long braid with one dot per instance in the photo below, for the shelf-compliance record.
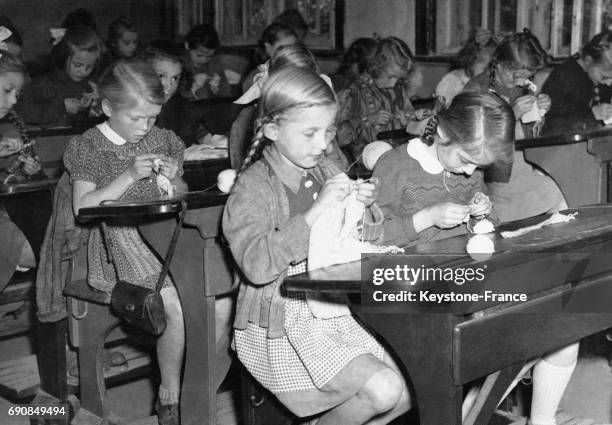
(257, 145)
(492, 76)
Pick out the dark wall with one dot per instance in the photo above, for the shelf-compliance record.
(33, 18)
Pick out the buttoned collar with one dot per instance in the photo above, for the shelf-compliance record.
(289, 174)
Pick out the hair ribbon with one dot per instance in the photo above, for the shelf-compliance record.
(57, 34)
(5, 33)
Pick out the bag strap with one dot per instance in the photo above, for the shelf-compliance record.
(170, 252)
(166, 264)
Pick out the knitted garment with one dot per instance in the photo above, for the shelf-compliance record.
(361, 99)
(571, 92)
(406, 188)
(92, 157)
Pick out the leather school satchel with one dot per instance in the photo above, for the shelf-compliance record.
(140, 306)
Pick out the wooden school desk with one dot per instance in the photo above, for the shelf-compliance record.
(564, 269)
(578, 159)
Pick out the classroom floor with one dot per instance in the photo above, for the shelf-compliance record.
(589, 394)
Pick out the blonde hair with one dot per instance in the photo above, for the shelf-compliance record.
(286, 89)
(129, 80)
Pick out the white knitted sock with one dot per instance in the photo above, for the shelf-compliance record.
(549, 383)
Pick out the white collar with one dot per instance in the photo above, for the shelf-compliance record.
(111, 134)
(420, 152)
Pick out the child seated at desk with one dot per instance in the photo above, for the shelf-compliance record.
(15, 251)
(64, 96)
(431, 185)
(579, 88)
(121, 43)
(518, 189)
(333, 368)
(178, 114)
(117, 160)
(380, 101)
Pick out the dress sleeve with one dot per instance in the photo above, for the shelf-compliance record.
(82, 161)
(176, 149)
(354, 130)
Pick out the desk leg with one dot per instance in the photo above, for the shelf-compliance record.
(51, 356)
(424, 349)
(490, 395)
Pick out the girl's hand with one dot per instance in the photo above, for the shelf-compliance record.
(142, 167)
(10, 145)
(380, 117)
(447, 215)
(603, 111)
(168, 167)
(72, 105)
(31, 166)
(522, 105)
(480, 204)
(334, 190)
(214, 83)
(198, 81)
(543, 102)
(367, 192)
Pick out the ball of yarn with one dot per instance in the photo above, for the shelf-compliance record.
(226, 179)
(373, 151)
(483, 226)
(480, 247)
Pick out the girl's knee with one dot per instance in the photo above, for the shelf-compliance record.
(565, 356)
(383, 390)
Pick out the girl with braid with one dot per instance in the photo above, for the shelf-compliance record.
(430, 185)
(518, 189)
(333, 369)
(15, 250)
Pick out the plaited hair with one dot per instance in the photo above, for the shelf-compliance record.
(286, 89)
(518, 51)
(480, 122)
(472, 51)
(391, 50)
(77, 38)
(360, 52)
(597, 47)
(296, 55)
(128, 80)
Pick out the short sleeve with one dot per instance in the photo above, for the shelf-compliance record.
(82, 161)
(176, 148)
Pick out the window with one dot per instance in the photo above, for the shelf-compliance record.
(562, 26)
(241, 22)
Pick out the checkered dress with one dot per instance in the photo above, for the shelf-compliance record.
(319, 363)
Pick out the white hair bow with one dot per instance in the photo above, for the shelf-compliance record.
(5, 33)
(57, 34)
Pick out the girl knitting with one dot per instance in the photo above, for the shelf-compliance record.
(430, 185)
(579, 88)
(15, 250)
(329, 367)
(472, 59)
(204, 74)
(117, 160)
(65, 95)
(518, 190)
(380, 100)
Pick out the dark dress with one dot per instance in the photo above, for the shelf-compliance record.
(571, 91)
(42, 101)
(179, 115)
